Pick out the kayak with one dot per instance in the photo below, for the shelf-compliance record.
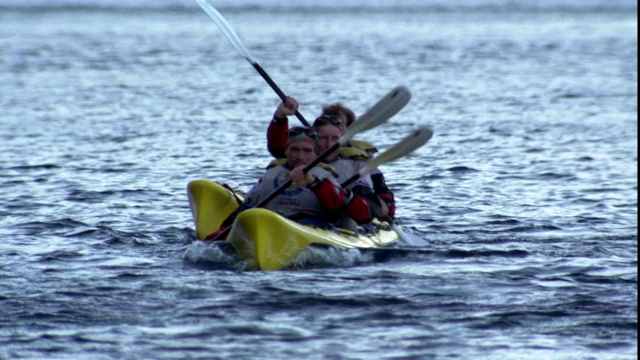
(266, 240)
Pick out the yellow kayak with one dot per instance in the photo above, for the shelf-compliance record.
(264, 239)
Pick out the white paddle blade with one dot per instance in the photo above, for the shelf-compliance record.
(407, 239)
(403, 148)
(226, 29)
(379, 113)
(389, 105)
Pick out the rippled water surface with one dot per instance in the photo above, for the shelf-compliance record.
(525, 198)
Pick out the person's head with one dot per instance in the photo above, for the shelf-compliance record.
(344, 113)
(301, 146)
(329, 129)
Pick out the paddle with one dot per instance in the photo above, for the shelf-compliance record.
(404, 237)
(233, 38)
(403, 148)
(378, 114)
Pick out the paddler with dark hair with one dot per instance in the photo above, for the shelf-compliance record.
(276, 143)
(348, 161)
(315, 198)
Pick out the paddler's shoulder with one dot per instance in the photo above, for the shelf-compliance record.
(353, 153)
(277, 162)
(330, 169)
(365, 146)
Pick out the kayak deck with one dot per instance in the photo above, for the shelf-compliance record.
(264, 239)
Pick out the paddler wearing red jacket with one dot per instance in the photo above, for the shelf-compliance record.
(276, 143)
(314, 198)
(348, 161)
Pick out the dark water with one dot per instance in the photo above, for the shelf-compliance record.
(526, 197)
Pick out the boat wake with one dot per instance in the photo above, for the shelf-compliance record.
(222, 256)
(318, 256)
(218, 255)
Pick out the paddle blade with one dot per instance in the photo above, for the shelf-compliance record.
(407, 239)
(403, 148)
(379, 113)
(388, 106)
(226, 29)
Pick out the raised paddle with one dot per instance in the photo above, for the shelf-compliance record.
(403, 148)
(378, 114)
(233, 38)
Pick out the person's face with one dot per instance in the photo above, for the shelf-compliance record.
(300, 153)
(328, 135)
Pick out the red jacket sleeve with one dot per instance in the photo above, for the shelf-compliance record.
(364, 205)
(330, 196)
(277, 137)
(360, 210)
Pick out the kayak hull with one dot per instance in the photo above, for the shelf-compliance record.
(266, 240)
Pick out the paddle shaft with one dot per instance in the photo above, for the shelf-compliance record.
(233, 38)
(351, 180)
(275, 88)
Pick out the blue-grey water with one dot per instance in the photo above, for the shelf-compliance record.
(525, 199)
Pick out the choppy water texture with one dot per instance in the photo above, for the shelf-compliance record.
(526, 197)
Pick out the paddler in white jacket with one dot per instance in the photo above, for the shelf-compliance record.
(314, 198)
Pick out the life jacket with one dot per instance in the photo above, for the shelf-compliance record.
(353, 153)
(365, 146)
(298, 202)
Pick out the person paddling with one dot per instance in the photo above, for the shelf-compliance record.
(276, 142)
(348, 161)
(315, 198)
